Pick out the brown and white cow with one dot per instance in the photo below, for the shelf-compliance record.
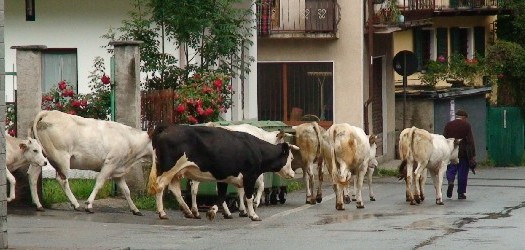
(420, 148)
(308, 137)
(22, 153)
(273, 137)
(74, 142)
(346, 151)
(213, 154)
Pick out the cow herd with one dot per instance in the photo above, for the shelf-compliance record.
(238, 155)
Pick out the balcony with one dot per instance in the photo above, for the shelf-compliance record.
(471, 7)
(297, 18)
(391, 15)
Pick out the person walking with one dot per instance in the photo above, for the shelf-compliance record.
(460, 128)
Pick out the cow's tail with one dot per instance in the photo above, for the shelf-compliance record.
(33, 130)
(407, 153)
(402, 175)
(152, 181)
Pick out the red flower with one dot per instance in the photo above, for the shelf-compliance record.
(217, 83)
(72, 112)
(441, 59)
(198, 103)
(200, 110)
(192, 119)
(12, 132)
(208, 111)
(181, 108)
(59, 106)
(105, 79)
(68, 93)
(75, 103)
(62, 85)
(196, 76)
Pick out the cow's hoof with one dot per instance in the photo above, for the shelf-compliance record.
(372, 199)
(195, 213)
(227, 216)
(76, 208)
(353, 198)
(422, 197)
(163, 216)
(312, 202)
(255, 218)
(360, 205)
(347, 199)
(243, 214)
(40, 209)
(90, 210)
(339, 207)
(137, 213)
(210, 215)
(439, 202)
(189, 215)
(412, 202)
(319, 198)
(417, 199)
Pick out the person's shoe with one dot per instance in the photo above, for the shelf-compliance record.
(462, 196)
(449, 190)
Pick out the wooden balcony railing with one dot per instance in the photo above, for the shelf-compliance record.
(297, 18)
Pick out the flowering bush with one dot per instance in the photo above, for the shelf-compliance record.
(63, 98)
(202, 98)
(457, 68)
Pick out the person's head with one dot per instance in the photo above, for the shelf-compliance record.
(461, 114)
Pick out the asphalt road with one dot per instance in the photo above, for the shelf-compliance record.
(491, 217)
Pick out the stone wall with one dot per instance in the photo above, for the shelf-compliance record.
(3, 187)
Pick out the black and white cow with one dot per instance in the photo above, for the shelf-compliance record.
(213, 154)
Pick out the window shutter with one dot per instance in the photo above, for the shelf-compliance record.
(418, 47)
(455, 43)
(454, 3)
(479, 40)
(442, 42)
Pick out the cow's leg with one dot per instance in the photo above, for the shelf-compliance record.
(422, 182)
(354, 183)
(102, 176)
(248, 183)
(338, 189)
(158, 200)
(222, 189)
(360, 178)
(420, 168)
(439, 183)
(242, 207)
(259, 185)
(34, 173)
(64, 183)
(408, 182)
(121, 182)
(308, 180)
(12, 184)
(320, 175)
(194, 191)
(174, 187)
(370, 177)
(347, 192)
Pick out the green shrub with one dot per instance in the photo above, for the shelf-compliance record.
(81, 188)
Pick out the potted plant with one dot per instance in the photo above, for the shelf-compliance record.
(457, 70)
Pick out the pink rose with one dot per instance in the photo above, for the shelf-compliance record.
(441, 59)
(217, 83)
(62, 85)
(181, 108)
(105, 79)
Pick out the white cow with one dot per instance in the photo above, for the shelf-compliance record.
(309, 138)
(372, 164)
(346, 151)
(419, 148)
(74, 142)
(273, 137)
(23, 153)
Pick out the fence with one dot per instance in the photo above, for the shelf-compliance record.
(157, 107)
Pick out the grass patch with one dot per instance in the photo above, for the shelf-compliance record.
(294, 185)
(81, 188)
(147, 202)
(381, 172)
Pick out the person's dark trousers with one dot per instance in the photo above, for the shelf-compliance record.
(462, 171)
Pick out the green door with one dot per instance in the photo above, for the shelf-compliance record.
(505, 136)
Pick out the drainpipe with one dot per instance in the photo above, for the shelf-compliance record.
(370, 65)
(112, 86)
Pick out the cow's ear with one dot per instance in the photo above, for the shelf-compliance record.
(281, 134)
(23, 146)
(457, 141)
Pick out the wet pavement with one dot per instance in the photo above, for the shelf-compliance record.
(491, 217)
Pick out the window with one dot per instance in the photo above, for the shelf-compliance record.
(423, 46)
(58, 65)
(462, 41)
(295, 91)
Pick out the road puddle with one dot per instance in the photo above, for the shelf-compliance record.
(331, 219)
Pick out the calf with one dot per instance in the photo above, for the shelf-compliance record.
(309, 140)
(419, 148)
(213, 154)
(74, 142)
(346, 151)
(23, 153)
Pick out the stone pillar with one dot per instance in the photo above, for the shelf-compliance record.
(127, 97)
(29, 101)
(3, 187)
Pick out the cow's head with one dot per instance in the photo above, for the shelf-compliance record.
(32, 152)
(286, 171)
(454, 159)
